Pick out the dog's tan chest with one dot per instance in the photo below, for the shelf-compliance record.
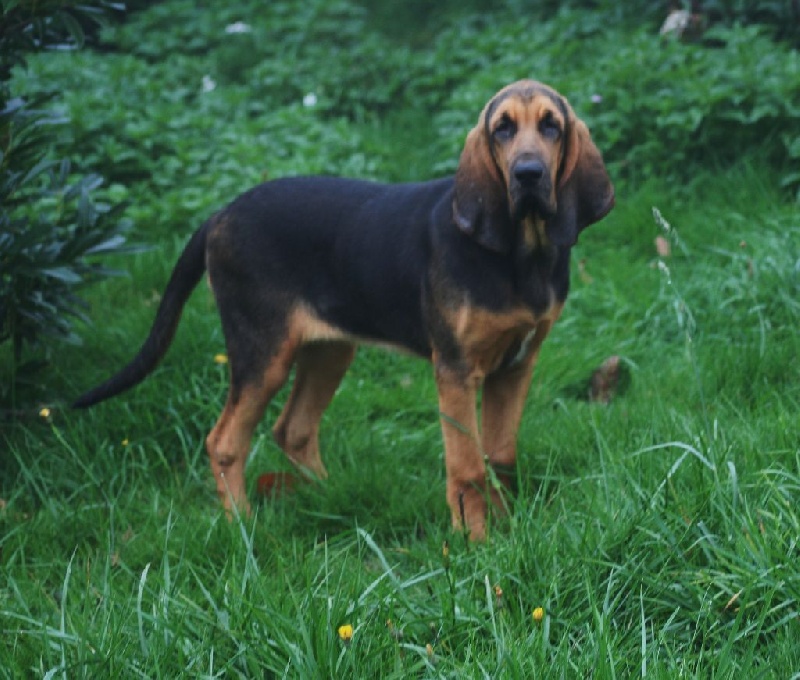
(491, 340)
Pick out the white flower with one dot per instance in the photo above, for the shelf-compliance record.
(676, 22)
(596, 98)
(310, 100)
(238, 27)
(208, 84)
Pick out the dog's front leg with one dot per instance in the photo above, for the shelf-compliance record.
(466, 472)
(504, 395)
(503, 401)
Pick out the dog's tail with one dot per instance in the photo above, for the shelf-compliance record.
(185, 276)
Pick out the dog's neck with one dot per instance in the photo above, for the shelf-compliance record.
(534, 255)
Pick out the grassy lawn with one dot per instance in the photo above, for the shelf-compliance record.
(658, 533)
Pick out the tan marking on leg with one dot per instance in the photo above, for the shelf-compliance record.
(489, 342)
(466, 473)
(228, 444)
(308, 327)
(320, 368)
(504, 395)
(311, 329)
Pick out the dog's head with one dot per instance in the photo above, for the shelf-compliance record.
(529, 157)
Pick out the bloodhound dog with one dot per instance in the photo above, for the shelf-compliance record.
(469, 272)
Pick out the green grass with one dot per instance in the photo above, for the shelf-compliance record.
(660, 533)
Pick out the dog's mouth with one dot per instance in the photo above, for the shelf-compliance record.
(533, 203)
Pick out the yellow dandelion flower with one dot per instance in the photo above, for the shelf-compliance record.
(44, 413)
(125, 442)
(499, 603)
(538, 614)
(221, 358)
(346, 633)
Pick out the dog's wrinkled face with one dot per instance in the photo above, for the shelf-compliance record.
(526, 129)
(530, 161)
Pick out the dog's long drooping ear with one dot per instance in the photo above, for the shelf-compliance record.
(480, 205)
(585, 194)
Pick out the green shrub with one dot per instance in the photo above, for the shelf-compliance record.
(780, 17)
(30, 25)
(51, 224)
(51, 229)
(689, 104)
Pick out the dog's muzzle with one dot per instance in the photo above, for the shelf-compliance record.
(531, 190)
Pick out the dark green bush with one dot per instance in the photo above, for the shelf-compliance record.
(52, 226)
(48, 225)
(668, 107)
(781, 17)
(30, 25)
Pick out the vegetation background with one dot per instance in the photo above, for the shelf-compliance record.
(658, 533)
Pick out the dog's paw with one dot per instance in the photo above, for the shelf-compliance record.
(468, 509)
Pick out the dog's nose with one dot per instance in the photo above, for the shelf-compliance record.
(528, 172)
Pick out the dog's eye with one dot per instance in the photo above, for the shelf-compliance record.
(549, 127)
(505, 128)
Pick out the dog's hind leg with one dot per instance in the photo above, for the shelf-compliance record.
(252, 388)
(320, 368)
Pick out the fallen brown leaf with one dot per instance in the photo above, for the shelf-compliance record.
(275, 483)
(604, 380)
